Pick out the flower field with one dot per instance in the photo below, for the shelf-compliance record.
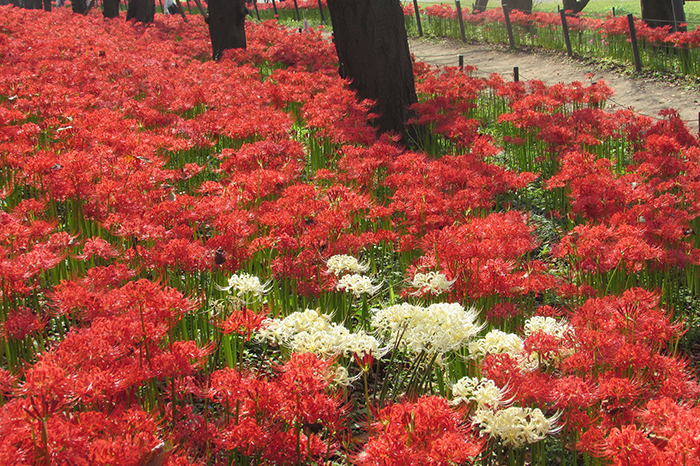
(221, 263)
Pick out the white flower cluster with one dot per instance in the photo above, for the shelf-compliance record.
(434, 283)
(246, 284)
(515, 426)
(310, 331)
(498, 342)
(437, 328)
(357, 284)
(548, 325)
(483, 392)
(342, 263)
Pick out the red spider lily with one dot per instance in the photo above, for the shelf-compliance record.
(243, 322)
(630, 446)
(427, 431)
(673, 430)
(292, 417)
(599, 249)
(441, 11)
(486, 264)
(21, 323)
(337, 116)
(125, 436)
(124, 155)
(585, 174)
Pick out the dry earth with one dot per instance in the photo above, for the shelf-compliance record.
(642, 94)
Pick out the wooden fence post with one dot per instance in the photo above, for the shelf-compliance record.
(461, 63)
(633, 39)
(274, 8)
(420, 28)
(296, 9)
(257, 13)
(461, 20)
(509, 28)
(516, 74)
(320, 8)
(565, 28)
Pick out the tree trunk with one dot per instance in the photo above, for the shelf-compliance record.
(575, 6)
(33, 4)
(111, 9)
(657, 13)
(47, 5)
(480, 6)
(141, 10)
(521, 5)
(372, 46)
(79, 6)
(226, 25)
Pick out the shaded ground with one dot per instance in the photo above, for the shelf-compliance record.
(643, 95)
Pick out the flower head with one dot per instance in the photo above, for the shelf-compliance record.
(440, 327)
(548, 325)
(433, 283)
(310, 331)
(341, 263)
(244, 284)
(357, 284)
(483, 392)
(515, 426)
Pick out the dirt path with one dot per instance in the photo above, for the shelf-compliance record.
(644, 96)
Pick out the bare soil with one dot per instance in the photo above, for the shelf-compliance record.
(645, 93)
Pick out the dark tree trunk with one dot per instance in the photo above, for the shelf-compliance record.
(47, 5)
(521, 5)
(480, 6)
(111, 9)
(141, 10)
(658, 13)
(33, 4)
(79, 6)
(575, 6)
(372, 46)
(226, 25)
(15, 3)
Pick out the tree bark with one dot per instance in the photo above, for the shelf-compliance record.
(47, 5)
(480, 6)
(226, 25)
(521, 5)
(79, 6)
(372, 46)
(111, 9)
(575, 6)
(141, 10)
(657, 13)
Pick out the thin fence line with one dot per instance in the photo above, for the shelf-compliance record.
(622, 13)
(484, 75)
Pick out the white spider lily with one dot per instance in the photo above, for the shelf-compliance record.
(244, 284)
